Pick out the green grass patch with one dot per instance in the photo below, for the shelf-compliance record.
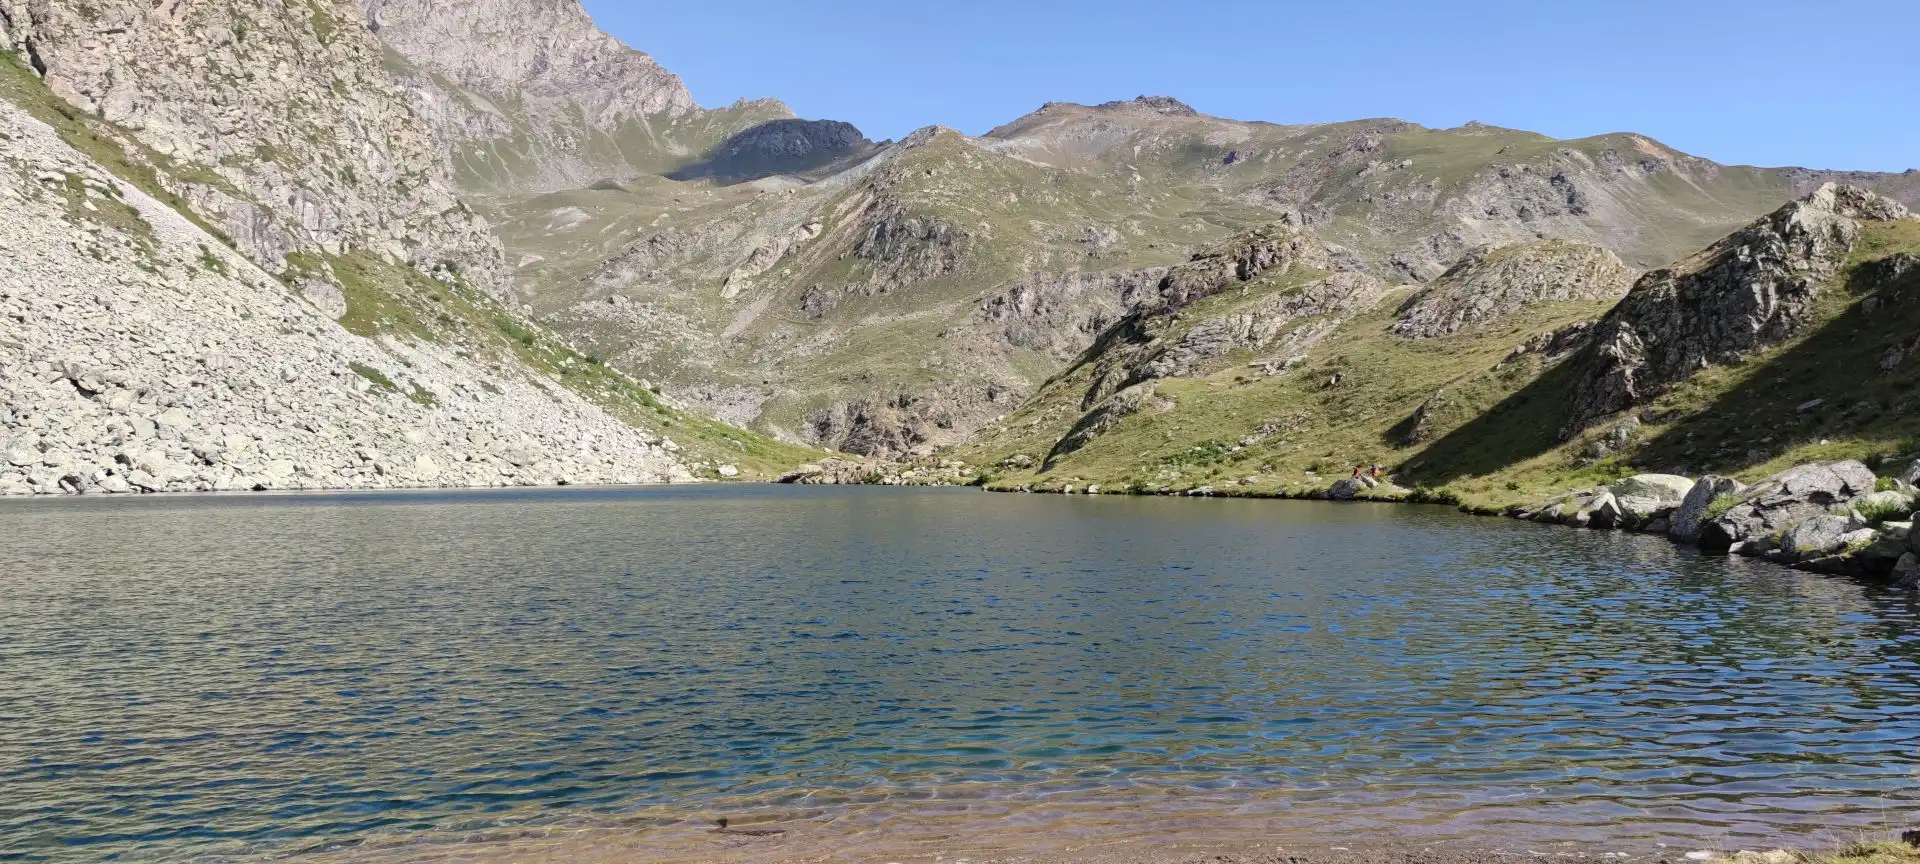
(374, 376)
(1879, 513)
(1720, 506)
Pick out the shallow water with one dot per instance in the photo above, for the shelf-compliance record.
(191, 677)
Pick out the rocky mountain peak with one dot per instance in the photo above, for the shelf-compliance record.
(787, 146)
(1166, 105)
(547, 50)
(1853, 202)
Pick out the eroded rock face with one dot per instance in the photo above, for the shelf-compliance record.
(1143, 345)
(1243, 258)
(1493, 283)
(1752, 290)
(891, 425)
(1060, 314)
(301, 139)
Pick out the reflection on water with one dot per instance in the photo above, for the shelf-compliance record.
(187, 677)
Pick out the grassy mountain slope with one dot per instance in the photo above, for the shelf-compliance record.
(886, 327)
(393, 304)
(1479, 417)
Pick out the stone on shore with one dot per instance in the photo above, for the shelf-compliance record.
(1643, 497)
(1603, 512)
(1817, 536)
(1781, 502)
(1686, 520)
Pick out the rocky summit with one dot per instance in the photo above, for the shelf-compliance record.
(393, 242)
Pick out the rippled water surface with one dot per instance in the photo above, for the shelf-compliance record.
(199, 676)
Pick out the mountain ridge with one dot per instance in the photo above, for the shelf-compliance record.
(886, 298)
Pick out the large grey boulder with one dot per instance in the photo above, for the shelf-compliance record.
(1817, 536)
(1644, 497)
(1346, 490)
(1602, 512)
(1685, 522)
(1783, 501)
(1906, 571)
(1891, 501)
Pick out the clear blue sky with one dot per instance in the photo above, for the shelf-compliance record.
(1820, 83)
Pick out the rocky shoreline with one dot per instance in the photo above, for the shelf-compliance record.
(1838, 518)
(1825, 517)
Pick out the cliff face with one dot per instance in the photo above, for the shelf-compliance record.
(287, 132)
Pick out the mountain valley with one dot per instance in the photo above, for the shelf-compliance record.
(1128, 295)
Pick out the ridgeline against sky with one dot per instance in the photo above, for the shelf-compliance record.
(1757, 83)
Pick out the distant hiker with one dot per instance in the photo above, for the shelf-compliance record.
(1233, 157)
(1358, 472)
(1376, 472)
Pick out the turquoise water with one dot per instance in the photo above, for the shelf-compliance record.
(198, 676)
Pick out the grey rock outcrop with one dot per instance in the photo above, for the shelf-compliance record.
(1102, 419)
(779, 147)
(1782, 502)
(1148, 343)
(1754, 289)
(1493, 283)
(1060, 314)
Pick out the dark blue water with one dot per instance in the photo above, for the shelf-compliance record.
(199, 676)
